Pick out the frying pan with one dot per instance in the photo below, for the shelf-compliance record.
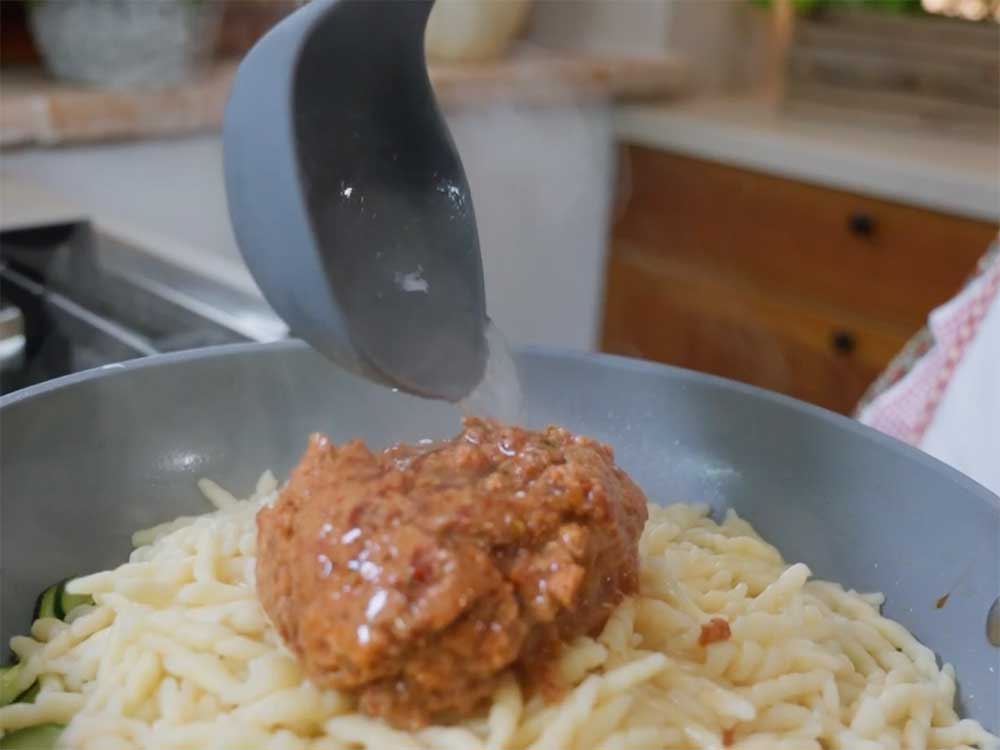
(90, 458)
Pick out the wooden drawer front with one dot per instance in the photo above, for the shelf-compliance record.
(660, 311)
(887, 261)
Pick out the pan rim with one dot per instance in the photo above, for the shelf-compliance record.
(680, 374)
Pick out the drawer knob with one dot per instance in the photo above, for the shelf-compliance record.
(843, 342)
(861, 224)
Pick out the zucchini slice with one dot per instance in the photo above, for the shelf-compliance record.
(56, 602)
(45, 605)
(28, 696)
(40, 737)
(8, 679)
(68, 602)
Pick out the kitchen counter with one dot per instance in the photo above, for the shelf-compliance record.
(39, 111)
(550, 166)
(920, 168)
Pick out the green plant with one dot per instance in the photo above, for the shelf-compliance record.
(885, 6)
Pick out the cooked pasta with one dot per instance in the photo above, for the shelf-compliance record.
(726, 646)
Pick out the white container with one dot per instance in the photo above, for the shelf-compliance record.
(474, 30)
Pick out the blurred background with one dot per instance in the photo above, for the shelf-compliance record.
(777, 192)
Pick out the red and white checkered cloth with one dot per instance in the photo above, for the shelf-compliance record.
(947, 401)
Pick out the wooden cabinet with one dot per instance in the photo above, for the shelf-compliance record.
(801, 289)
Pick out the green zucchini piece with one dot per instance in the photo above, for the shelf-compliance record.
(8, 681)
(45, 605)
(28, 696)
(56, 602)
(40, 737)
(8, 686)
(68, 602)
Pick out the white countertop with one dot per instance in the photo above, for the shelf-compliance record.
(58, 191)
(936, 171)
(24, 205)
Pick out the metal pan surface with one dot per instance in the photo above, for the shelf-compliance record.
(90, 458)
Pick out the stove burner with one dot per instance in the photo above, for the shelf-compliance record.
(72, 298)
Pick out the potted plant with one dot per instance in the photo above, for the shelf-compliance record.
(120, 43)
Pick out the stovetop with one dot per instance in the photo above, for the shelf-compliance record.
(73, 298)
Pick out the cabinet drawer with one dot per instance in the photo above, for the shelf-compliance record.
(874, 258)
(659, 310)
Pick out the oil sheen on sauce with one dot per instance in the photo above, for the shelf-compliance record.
(498, 395)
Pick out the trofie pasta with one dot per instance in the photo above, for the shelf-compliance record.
(726, 646)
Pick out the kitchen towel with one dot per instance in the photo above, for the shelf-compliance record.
(943, 393)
